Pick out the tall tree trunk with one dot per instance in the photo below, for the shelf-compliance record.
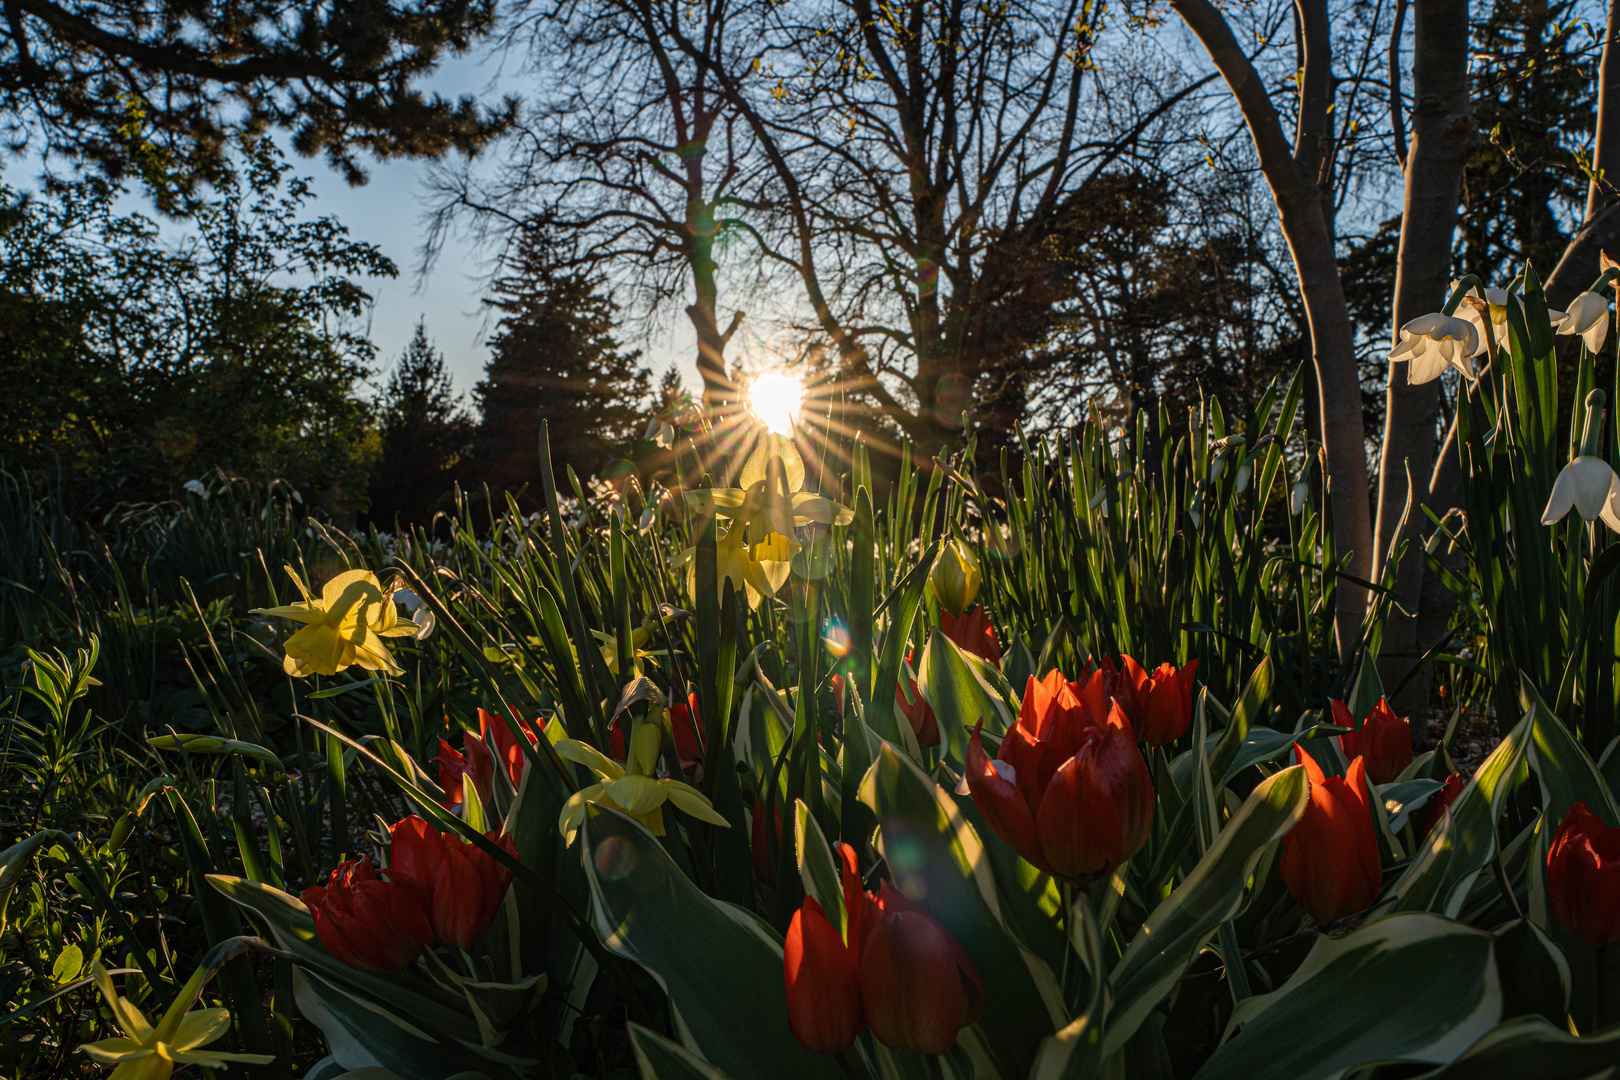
(1601, 229)
(1442, 134)
(1297, 175)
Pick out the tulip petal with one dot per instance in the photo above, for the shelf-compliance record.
(1002, 804)
(911, 986)
(822, 977)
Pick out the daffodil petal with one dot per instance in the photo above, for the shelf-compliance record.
(112, 1051)
(585, 754)
(201, 1027)
(635, 794)
(691, 802)
(214, 1059)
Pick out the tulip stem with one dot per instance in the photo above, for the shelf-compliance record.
(936, 1071)
(1066, 891)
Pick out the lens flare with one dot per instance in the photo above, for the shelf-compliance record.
(775, 397)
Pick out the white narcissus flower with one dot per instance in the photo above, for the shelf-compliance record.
(1589, 317)
(1498, 301)
(1431, 343)
(1590, 487)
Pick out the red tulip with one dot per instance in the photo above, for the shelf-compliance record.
(764, 867)
(1330, 858)
(1073, 798)
(838, 683)
(1436, 810)
(1385, 740)
(822, 972)
(366, 922)
(460, 886)
(454, 769)
(895, 966)
(918, 985)
(1583, 877)
(506, 747)
(919, 714)
(972, 633)
(1164, 700)
(1097, 690)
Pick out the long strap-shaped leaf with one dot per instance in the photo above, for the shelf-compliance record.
(1213, 893)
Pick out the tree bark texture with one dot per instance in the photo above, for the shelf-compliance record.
(1297, 178)
(1442, 135)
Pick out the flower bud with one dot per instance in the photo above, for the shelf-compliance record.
(956, 577)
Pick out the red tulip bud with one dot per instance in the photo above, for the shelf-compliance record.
(1435, 812)
(1165, 701)
(917, 983)
(462, 887)
(1385, 740)
(368, 923)
(1330, 858)
(822, 972)
(1583, 877)
(972, 633)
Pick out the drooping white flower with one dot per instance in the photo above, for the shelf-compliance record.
(196, 487)
(1590, 487)
(1298, 497)
(1589, 317)
(1498, 299)
(1431, 343)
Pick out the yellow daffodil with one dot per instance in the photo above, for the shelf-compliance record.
(956, 577)
(756, 553)
(145, 1052)
(631, 787)
(344, 628)
(638, 638)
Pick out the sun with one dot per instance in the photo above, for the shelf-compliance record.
(775, 397)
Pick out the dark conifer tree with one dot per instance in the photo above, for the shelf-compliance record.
(426, 438)
(555, 358)
(164, 84)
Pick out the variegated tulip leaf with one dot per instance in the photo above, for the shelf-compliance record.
(363, 1034)
(1335, 1014)
(720, 964)
(1528, 1046)
(658, 1058)
(937, 859)
(959, 694)
(1172, 935)
(818, 866)
(1447, 862)
(1566, 772)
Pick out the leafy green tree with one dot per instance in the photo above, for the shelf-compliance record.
(426, 437)
(555, 359)
(143, 363)
(167, 83)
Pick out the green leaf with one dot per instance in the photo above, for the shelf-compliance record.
(938, 861)
(1528, 1046)
(1413, 987)
(660, 1059)
(903, 603)
(1268, 744)
(720, 964)
(1567, 774)
(1249, 711)
(823, 879)
(1446, 864)
(1176, 930)
(959, 694)
(364, 1034)
(1074, 1052)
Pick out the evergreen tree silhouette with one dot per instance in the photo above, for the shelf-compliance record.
(426, 438)
(555, 358)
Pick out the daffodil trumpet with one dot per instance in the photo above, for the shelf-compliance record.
(756, 551)
(344, 628)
